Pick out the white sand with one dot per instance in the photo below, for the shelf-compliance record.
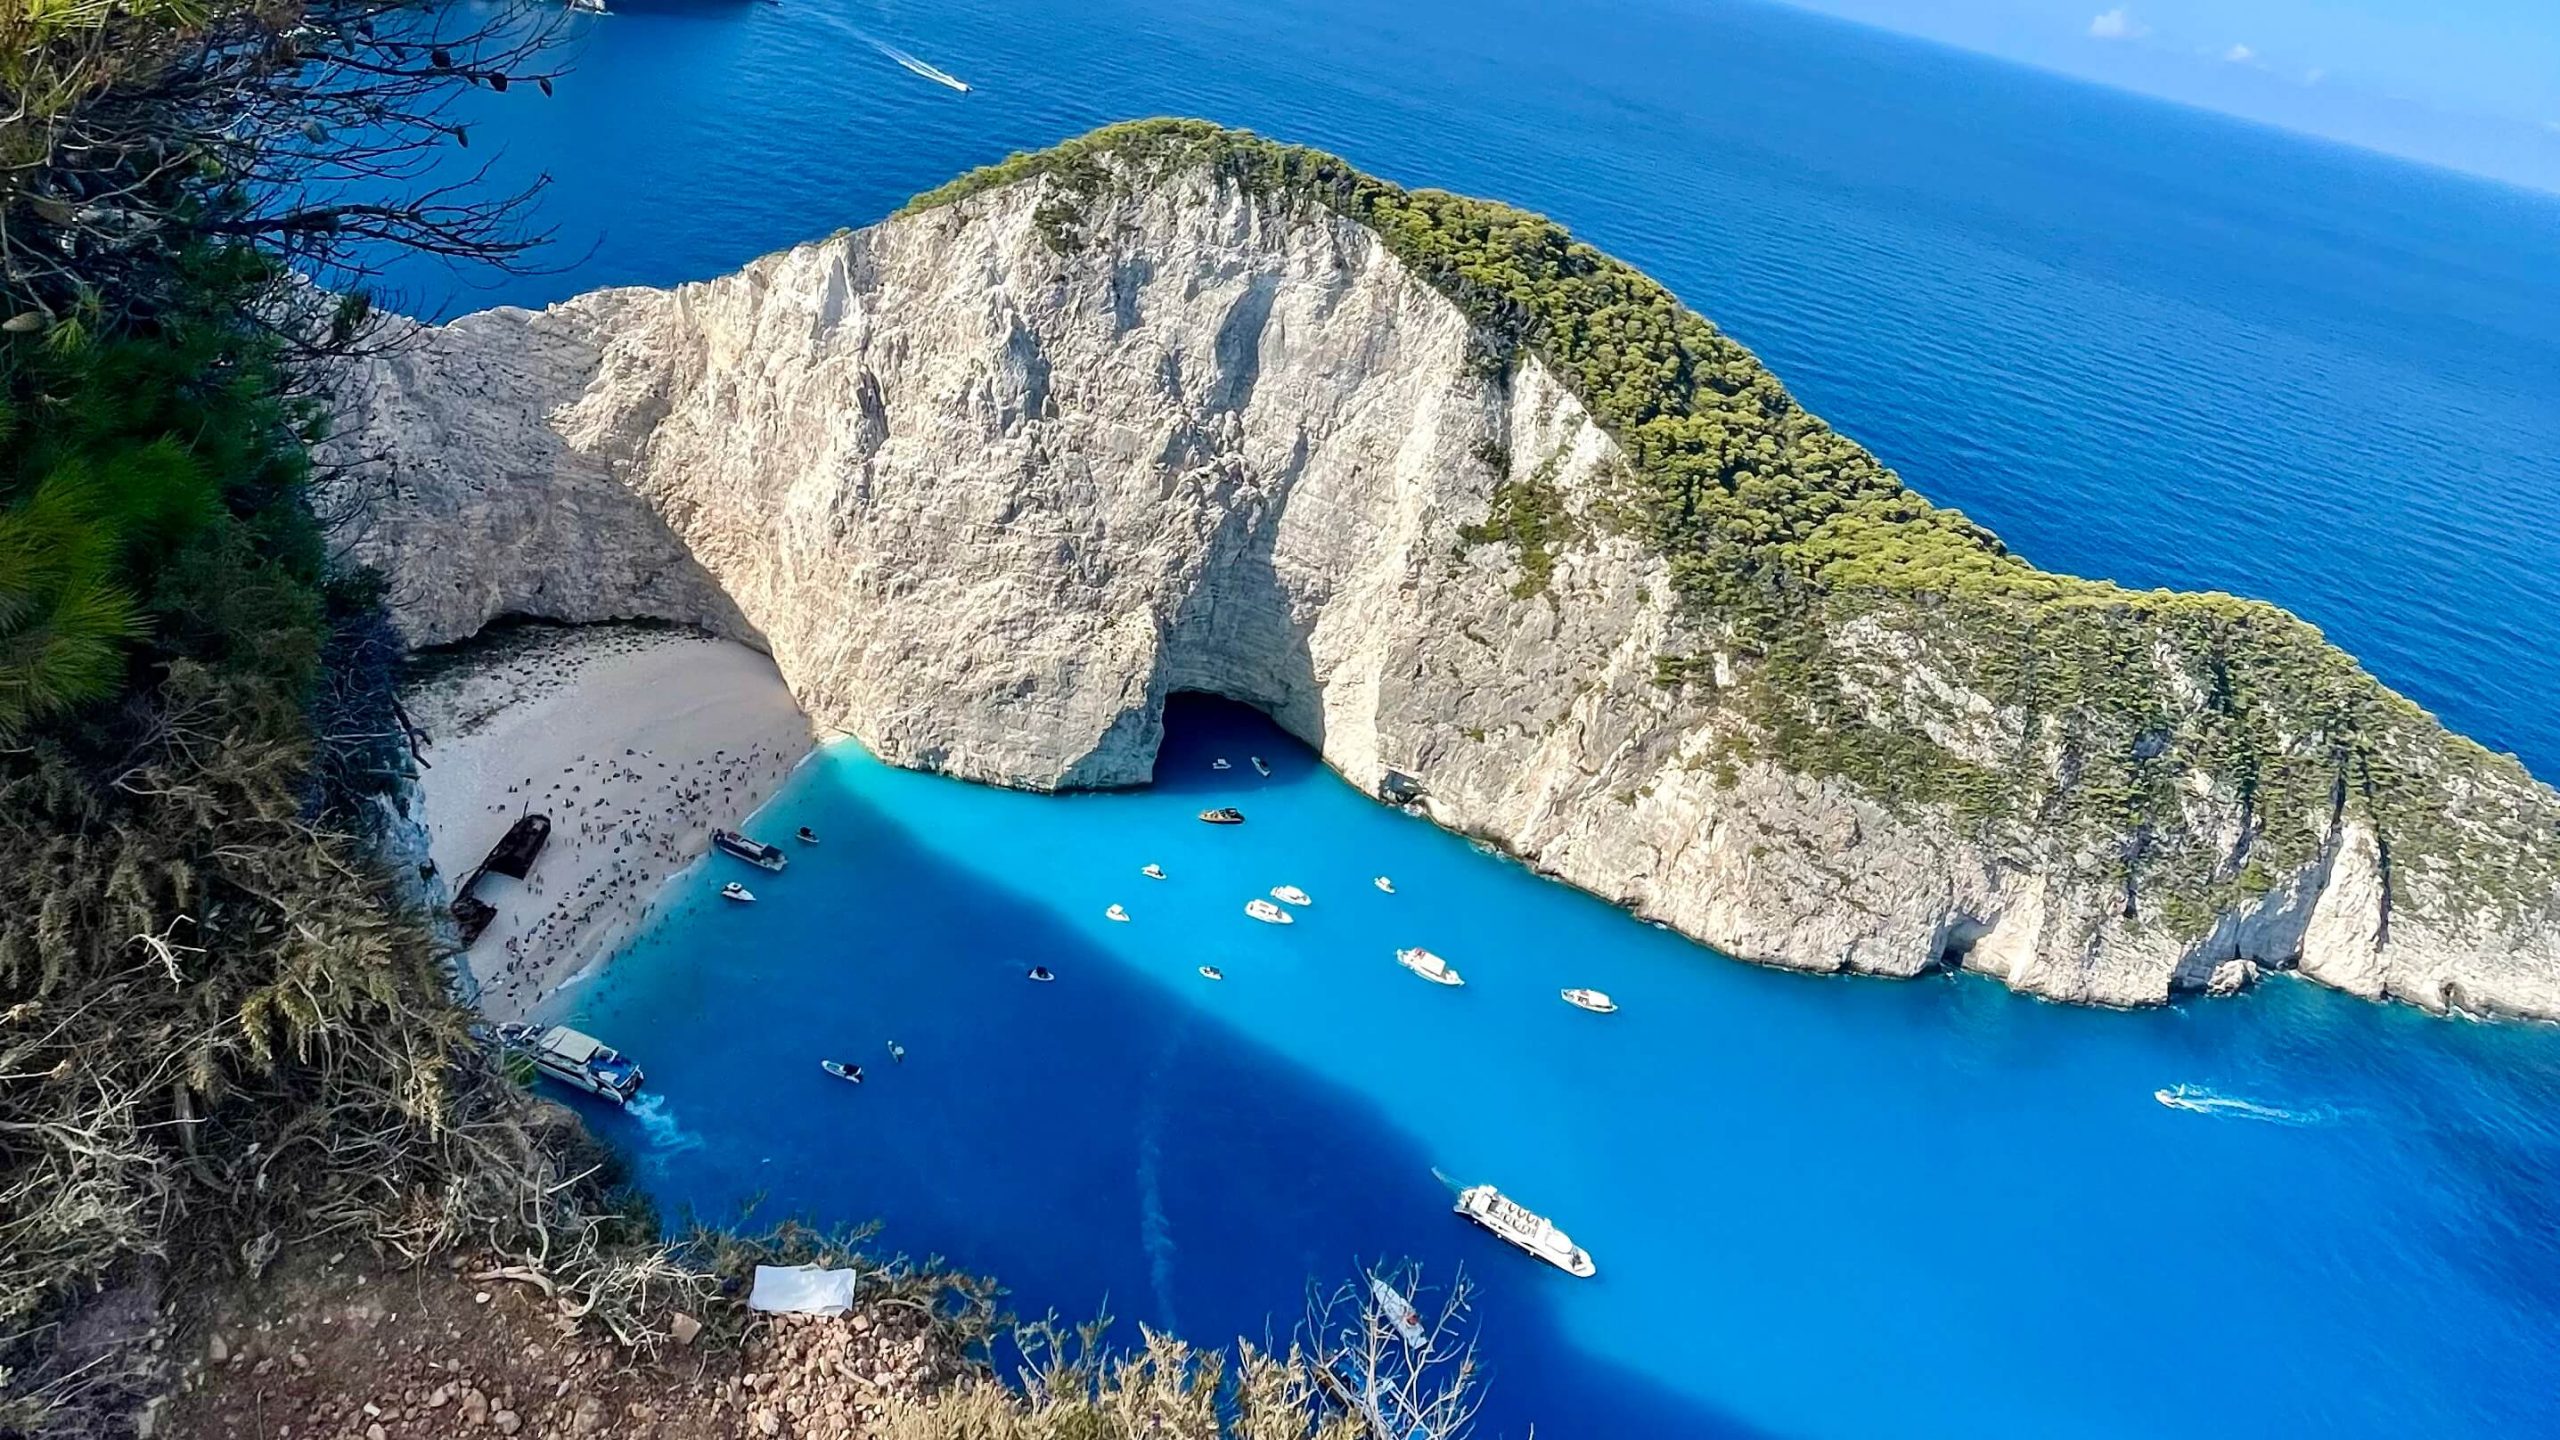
(636, 743)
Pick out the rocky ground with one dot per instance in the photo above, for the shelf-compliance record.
(338, 1349)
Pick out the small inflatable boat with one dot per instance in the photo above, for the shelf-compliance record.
(841, 1070)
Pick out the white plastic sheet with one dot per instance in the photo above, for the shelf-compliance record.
(801, 1290)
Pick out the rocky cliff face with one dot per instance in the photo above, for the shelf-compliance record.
(989, 499)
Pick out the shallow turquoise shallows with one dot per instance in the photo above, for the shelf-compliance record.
(1819, 1206)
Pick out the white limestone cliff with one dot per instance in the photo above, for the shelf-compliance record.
(988, 504)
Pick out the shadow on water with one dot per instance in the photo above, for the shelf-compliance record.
(1094, 1143)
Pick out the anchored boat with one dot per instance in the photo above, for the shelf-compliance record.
(1115, 913)
(575, 1058)
(1262, 769)
(1525, 1228)
(1595, 1001)
(1429, 966)
(1223, 815)
(754, 852)
(1267, 913)
(735, 891)
(1292, 894)
(1385, 885)
(841, 1070)
(1152, 872)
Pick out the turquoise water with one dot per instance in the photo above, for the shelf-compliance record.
(1819, 1206)
(2139, 341)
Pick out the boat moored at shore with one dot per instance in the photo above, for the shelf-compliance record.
(754, 852)
(1525, 1228)
(576, 1059)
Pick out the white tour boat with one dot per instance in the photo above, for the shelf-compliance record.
(1266, 912)
(1152, 872)
(1291, 894)
(1385, 885)
(574, 1057)
(1525, 1228)
(1115, 913)
(1595, 1001)
(1429, 966)
(735, 891)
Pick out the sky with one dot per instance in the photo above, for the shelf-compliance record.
(2471, 85)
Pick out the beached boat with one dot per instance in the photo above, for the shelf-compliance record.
(1429, 966)
(1223, 815)
(1397, 1311)
(1116, 913)
(1595, 1001)
(1524, 1228)
(1292, 894)
(1267, 913)
(1152, 872)
(1261, 768)
(575, 1058)
(754, 852)
(841, 1070)
(1385, 885)
(735, 891)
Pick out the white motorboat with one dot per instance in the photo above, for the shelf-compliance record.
(1220, 764)
(841, 1070)
(754, 852)
(1595, 1001)
(805, 835)
(1152, 872)
(1429, 966)
(1267, 913)
(1116, 913)
(735, 891)
(1524, 1228)
(1041, 973)
(1292, 895)
(1385, 885)
(574, 1057)
(1262, 769)
(1397, 1311)
(1212, 972)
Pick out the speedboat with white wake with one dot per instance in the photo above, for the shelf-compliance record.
(1525, 1228)
(1385, 885)
(1268, 913)
(735, 891)
(2202, 1100)
(1429, 966)
(1291, 894)
(1595, 1001)
(575, 1058)
(1259, 767)
(841, 1070)
(754, 852)
(1152, 872)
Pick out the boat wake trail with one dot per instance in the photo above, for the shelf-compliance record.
(2204, 1100)
(916, 66)
(658, 1124)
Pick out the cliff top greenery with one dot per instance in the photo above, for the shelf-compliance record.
(1793, 550)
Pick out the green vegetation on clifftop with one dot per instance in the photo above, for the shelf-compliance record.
(1887, 643)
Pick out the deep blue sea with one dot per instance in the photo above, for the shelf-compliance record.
(2138, 341)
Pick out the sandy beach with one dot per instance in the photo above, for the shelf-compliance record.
(636, 742)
